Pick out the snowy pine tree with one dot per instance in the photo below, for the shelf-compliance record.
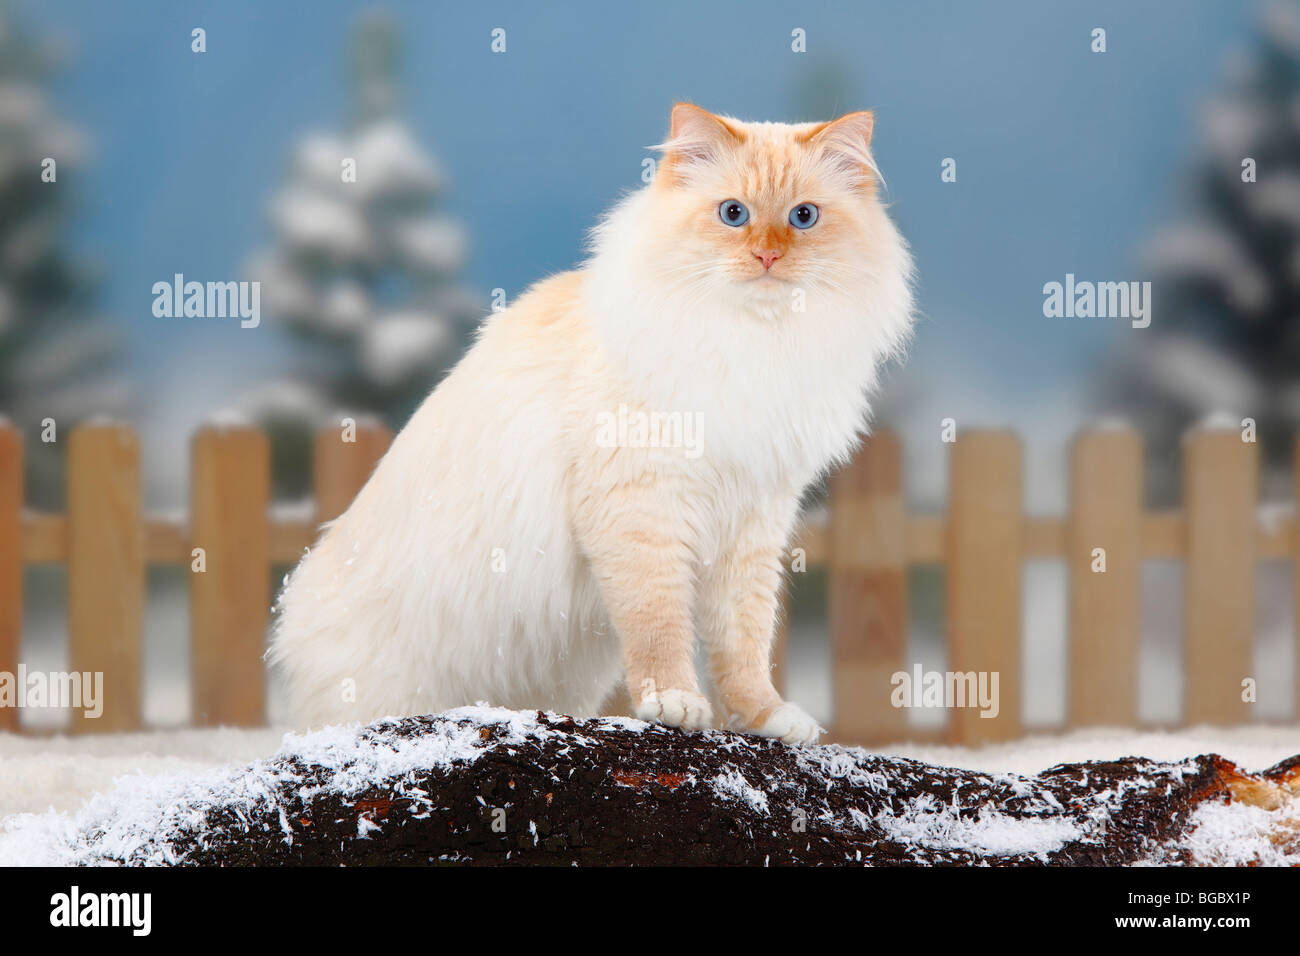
(54, 350)
(362, 271)
(1225, 334)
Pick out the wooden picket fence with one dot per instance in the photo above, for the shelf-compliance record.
(865, 539)
(107, 541)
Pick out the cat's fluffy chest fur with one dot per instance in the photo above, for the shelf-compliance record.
(504, 551)
(778, 385)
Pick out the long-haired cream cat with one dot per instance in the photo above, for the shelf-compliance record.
(616, 465)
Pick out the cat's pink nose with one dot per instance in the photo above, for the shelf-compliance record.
(767, 257)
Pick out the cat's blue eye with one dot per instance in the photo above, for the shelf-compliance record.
(803, 215)
(733, 213)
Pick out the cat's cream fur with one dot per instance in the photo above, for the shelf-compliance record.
(503, 552)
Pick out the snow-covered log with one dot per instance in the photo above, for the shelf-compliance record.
(485, 786)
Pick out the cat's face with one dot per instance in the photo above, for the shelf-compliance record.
(766, 211)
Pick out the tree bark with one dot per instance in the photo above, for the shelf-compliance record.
(543, 789)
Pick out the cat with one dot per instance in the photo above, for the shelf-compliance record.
(543, 529)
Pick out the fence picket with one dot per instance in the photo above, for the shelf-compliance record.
(11, 559)
(1105, 599)
(230, 489)
(868, 591)
(1220, 481)
(985, 550)
(866, 541)
(106, 572)
(342, 467)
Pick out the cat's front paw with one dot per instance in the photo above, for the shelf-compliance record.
(790, 723)
(684, 709)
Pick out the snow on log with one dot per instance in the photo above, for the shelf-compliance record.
(486, 786)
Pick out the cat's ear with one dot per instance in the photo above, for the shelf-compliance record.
(696, 136)
(846, 142)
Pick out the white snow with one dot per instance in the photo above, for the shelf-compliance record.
(1232, 125)
(1278, 197)
(346, 307)
(732, 785)
(391, 164)
(432, 245)
(1200, 377)
(283, 399)
(926, 822)
(1273, 515)
(135, 817)
(1233, 834)
(1281, 22)
(1205, 250)
(322, 223)
(21, 104)
(319, 159)
(289, 510)
(401, 344)
(39, 773)
(228, 418)
(285, 291)
(1253, 748)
